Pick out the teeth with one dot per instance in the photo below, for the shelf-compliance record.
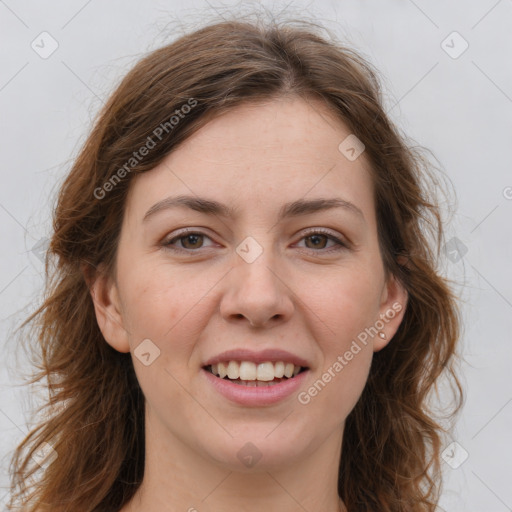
(279, 369)
(288, 370)
(265, 371)
(233, 370)
(249, 371)
(256, 383)
(222, 371)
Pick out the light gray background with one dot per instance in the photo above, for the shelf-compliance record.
(460, 108)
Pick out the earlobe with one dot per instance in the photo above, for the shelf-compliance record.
(105, 297)
(392, 310)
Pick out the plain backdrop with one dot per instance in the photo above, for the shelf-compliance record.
(447, 78)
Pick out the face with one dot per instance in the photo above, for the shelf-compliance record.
(281, 266)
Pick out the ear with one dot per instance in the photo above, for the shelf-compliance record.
(391, 312)
(107, 306)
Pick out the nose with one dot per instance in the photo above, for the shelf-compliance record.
(257, 293)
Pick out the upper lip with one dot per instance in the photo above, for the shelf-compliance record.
(272, 355)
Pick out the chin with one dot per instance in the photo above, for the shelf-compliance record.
(257, 451)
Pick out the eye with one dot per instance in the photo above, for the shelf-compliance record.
(319, 238)
(189, 241)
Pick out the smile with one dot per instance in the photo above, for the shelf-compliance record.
(249, 373)
(255, 384)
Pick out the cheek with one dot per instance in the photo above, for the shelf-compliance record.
(346, 303)
(335, 392)
(347, 307)
(165, 306)
(169, 309)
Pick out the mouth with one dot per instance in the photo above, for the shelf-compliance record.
(250, 374)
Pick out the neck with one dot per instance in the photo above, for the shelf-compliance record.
(179, 477)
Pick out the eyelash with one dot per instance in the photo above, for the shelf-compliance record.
(340, 244)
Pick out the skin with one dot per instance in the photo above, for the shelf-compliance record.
(297, 295)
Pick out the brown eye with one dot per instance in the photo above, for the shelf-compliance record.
(191, 241)
(318, 241)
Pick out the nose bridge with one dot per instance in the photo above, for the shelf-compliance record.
(256, 291)
(259, 275)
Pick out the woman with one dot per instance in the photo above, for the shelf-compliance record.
(245, 312)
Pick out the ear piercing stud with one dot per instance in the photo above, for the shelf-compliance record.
(382, 335)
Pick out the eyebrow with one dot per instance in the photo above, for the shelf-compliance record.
(292, 209)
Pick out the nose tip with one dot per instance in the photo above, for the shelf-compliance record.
(262, 322)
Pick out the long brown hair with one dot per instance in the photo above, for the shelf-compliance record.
(94, 417)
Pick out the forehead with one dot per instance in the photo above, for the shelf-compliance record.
(289, 128)
(277, 150)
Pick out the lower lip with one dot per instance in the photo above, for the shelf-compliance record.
(255, 396)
